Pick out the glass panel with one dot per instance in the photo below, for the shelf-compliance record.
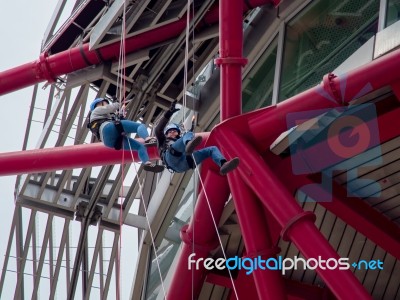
(258, 84)
(393, 12)
(166, 254)
(321, 37)
(169, 246)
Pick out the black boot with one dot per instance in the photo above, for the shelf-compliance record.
(229, 166)
(150, 141)
(191, 145)
(152, 167)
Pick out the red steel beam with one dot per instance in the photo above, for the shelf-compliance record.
(247, 205)
(69, 157)
(354, 211)
(230, 60)
(265, 125)
(298, 226)
(50, 67)
(199, 237)
(256, 238)
(62, 158)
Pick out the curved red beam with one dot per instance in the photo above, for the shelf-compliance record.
(50, 67)
(262, 127)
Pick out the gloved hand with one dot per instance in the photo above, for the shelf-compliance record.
(172, 109)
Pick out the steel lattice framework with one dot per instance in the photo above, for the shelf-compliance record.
(262, 189)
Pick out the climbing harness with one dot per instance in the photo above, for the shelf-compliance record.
(94, 127)
(121, 134)
(121, 83)
(167, 147)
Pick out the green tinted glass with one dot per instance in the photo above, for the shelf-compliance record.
(320, 38)
(258, 84)
(393, 12)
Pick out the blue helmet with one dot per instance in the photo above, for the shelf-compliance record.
(97, 101)
(172, 126)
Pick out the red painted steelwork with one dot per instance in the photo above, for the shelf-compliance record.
(50, 67)
(201, 234)
(264, 124)
(68, 157)
(354, 211)
(230, 60)
(266, 127)
(250, 216)
(61, 158)
(298, 226)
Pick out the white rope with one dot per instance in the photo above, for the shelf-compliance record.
(194, 227)
(120, 94)
(184, 105)
(185, 69)
(148, 222)
(215, 226)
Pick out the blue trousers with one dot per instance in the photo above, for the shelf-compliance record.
(110, 135)
(179, 163)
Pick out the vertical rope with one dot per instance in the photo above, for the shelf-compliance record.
(184, 105)
(216, 228)
(121, 86)
(148, 222)
(185, 69)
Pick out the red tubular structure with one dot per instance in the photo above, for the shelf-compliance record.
(199, 237)
(50, 67)
(231, 60)
(247, 206)
(67, 157)
(249, 212)
(264, 126)
(63, 158)
(298, 226)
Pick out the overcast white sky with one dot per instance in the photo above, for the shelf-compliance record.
(22, 27)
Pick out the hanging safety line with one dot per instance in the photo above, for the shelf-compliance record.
(197, 167)
(148, 222)
(216, 227)
(185, 68)
(184, 105)
(120, 94)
